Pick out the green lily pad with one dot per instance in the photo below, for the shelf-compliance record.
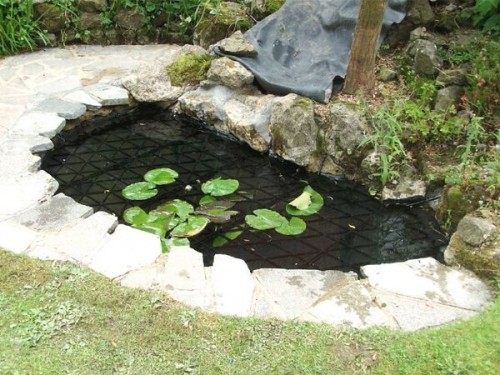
(190, 228)
(140, 191)
(161, 176)
(206, 199)
(292, 228)
(265, 219)
(168, 243)
(155, 225)
(219, 187)
(220, 241)
(302, 202)
(135, 216)
(217, 211)
(177, 207)
(316, 204)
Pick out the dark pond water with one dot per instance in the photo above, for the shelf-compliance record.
(351, 230)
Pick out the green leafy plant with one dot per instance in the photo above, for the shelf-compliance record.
(486, 15)
(19, 30)
(176, 221)
(189, 69)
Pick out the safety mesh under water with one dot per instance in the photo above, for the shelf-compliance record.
(352, 229)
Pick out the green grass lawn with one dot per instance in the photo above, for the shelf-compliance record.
(62, 319)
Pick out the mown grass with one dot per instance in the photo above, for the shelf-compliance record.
(62, 319)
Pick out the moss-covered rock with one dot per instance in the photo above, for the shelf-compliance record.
(189, 68)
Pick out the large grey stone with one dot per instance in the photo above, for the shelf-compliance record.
(108, 95)
(237, 45)
(429, 280)
(54, 214)
(407, 189)
(348, 304)
(448, 97)
(65, 109)
(92, 5)
(427, 61)
(452, 77)
(39, 123)
(127, 249)
(233, 286)
(206, 104)
(287, 294)
(15, 238)
(293, 129)
(83, 97)
(475, 230)
(18, 193)
(248, 124)
(79, 242)
(229, 73)
(34, 143)
(412, 314)
(18, 162)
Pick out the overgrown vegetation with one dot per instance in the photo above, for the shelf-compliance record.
(19, 30)
(63, 319)
(189, 68)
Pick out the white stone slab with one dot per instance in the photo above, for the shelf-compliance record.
(127, 249)
(54, 214)
(18, 162)
(413, 314)
(65, 109)
(17, 194)
(109, 95)
(233, 286)
(82, 97)
(15, 238)
(289, 293)
(348, 305)
(148, 277)
(429, 280)
(39, 123)
(81, 241)
(32, 142)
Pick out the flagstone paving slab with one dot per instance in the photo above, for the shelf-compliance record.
(108, 95)
(34, 143)
(429, 280)
(39, 123)
(65, 109)
(127, 249)
(17, 161)
(15, 238)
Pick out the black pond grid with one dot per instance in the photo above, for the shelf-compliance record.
(351, 230)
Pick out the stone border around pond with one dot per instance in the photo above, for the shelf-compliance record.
(33, 221)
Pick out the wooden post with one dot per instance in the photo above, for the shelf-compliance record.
(361, 68)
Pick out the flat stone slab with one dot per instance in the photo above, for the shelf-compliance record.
(18, 194)
(412, 314)
(79, 242)
(39, 123)
(53, 215)
(18, 162)
(34, 143)
(108, 95)
(348, 304)
(127, 249)
(15, 238)
(287, 294)
(233, 286)
(65, 109)
(81, 96)
(429, 280)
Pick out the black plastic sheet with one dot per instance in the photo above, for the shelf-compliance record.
(304, 47)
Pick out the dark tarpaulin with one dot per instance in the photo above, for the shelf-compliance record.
(305, 45)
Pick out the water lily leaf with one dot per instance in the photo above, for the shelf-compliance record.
(206, 199)
(220, 241)
(135, 216)
(190, 228)
(178, 207)
(168, 243)
(219, 187)
(292, 228)
(316, 204)
(302, 201)
(161, 176)
(157, 226)
(140, 191)
(217, 211)
(265, 219)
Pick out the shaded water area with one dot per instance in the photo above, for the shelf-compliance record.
(351, 230)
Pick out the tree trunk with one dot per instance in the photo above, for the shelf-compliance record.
(361, 68)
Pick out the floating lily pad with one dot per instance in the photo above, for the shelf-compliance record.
(219, 187)
(161, 176)
(302, 202)
(190, 228)
(217, 211)
(178, 207)
(154, 225)
(292, 228)
(316, 204)
(168, 243)
(140, 191)
(135, 216)
(206, 199)
(220, 241)
(265, 219)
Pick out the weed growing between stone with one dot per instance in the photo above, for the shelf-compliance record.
(176, 221)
